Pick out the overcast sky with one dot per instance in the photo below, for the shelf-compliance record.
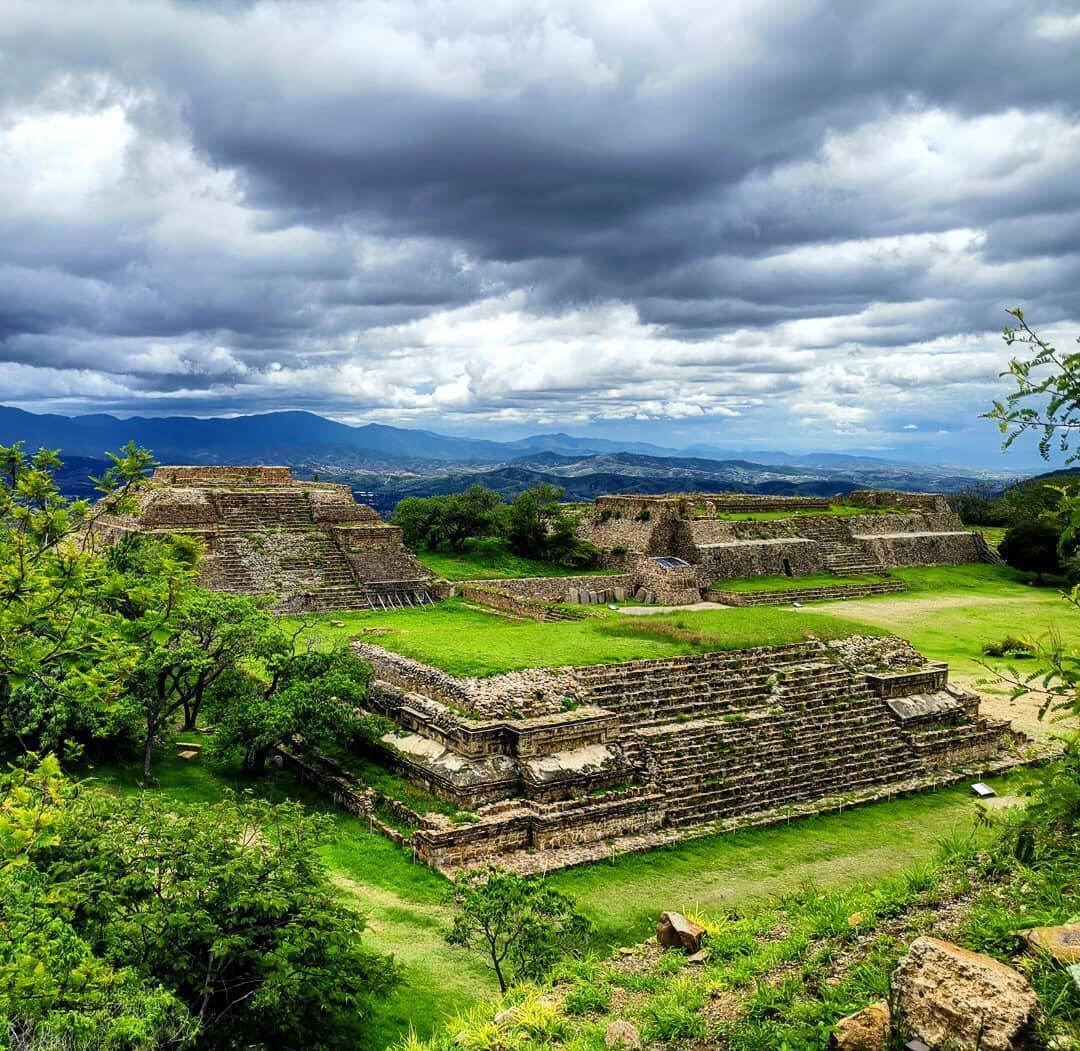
(756, 223)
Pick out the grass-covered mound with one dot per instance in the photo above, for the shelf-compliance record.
(467, 641)
(948, 612)
(490, 559)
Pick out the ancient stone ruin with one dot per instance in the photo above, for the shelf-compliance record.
(677, 545)
(309, 544)
(551, 767)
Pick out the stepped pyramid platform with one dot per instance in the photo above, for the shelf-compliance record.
(556, 766)
(308, 544)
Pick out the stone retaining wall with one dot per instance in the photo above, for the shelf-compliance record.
(923, 549)
(517, 605)
(557, 589)
(892, 498)
(783, 597)
(761, 558)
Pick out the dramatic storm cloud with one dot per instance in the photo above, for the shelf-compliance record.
(761, 224)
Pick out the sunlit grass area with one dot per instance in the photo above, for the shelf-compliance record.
(783, 583)
(467, 641)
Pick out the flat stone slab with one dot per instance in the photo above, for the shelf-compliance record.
(187, 755)
(1063, 943)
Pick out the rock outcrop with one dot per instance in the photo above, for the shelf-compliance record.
(950, 997)
(866, 1030)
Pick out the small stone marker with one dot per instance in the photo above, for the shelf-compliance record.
(622, 1034)
(187, 755)
(1062, 943)
(675, 931)
(916, 1045)
(982, 790)
(1074, 973)
(698, 957)
(337, 623)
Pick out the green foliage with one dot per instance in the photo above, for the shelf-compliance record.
(1016, 649)
(210, 635)
(522, 924)
(539, 526)
(228, 906)
(53, 988)
(71, 621)
(314, 693)
(427, 522)
(1032, 547)
(1046, 398)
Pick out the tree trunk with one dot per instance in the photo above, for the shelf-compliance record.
(258, 761)
(148, 753)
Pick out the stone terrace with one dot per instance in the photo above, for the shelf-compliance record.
(559, 765)
(309, 544)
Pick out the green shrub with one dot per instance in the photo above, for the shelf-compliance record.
(586, 999)
(1009, 646)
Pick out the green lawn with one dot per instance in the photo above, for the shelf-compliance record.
(783, 583)
(466, 641)
(490, 560)
(405, 903)
(709, 875)
(949, 612)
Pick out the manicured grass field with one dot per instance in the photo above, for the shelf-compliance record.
(406, 904)
(782, 583)
(834, 511)
(467, 641)
(949, 612)
(490, 560)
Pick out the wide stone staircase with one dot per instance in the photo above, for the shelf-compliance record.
(279, 508)
(747, 732)
(841, 554)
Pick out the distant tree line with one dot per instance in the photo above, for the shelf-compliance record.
(1035, 540)
(534, 524)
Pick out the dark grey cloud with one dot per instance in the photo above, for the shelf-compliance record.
(701, 216)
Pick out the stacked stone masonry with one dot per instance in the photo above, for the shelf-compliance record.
(308, 544)
(876, 531)
(557, 760)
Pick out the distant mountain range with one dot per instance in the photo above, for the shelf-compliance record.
(387, 463)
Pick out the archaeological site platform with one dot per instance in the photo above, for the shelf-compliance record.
(308, 544)
(545, 768)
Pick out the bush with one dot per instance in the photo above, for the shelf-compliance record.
(1009, 647)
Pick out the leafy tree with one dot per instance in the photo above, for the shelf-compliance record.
(473, 513)
(521, 924)
(316, 694)
(228, 906)
(420, 521)
(1046, 398)
(211, 634)
(54, 990)
(537, 524)
(1032, 547)
(66, 642)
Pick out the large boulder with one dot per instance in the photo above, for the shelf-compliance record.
(675, 931)
(950, 997)
(866, 1030)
